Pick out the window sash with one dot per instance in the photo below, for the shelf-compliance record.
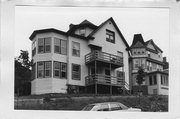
(76, 69)
(47, 42)
(40, 69)
(57, 69)
(48, 69)
(110, 36)
(57, 45)
(76, 49)
(63, 47)
(40, 45)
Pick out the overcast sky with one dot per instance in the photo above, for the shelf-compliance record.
(152, 23)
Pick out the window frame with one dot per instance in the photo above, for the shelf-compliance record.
(79, 73)
(73, 42)
(110, 34)
(60, 70)
(44, 45)
(82, 33)
(44, 69)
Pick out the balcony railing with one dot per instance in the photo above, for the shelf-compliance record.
(102, 56)
(104, 79)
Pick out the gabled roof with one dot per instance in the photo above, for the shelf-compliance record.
(138, 42)
(84, 23)
(152, 42)
(116, 27)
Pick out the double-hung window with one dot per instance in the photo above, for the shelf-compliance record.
(44, 45)
(47, 69)
(76, 49)
(110, 36)
(76, 72)
(60, 69)
(44, 69)
(33, 48)
(60, 46)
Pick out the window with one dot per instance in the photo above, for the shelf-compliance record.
(60, 46)
(47, 45)
(63, 70)
(60, 69)
(115, 107)
(40, 45)
(44, 69)
(33, 71)
(33, 48)
(150, 80)
(56, 69)
(44, 45)
(155, 80)
(76, 49)
(104, 107)
(47, 69)
(76, 69)
(110, 36)
(82, 31)
(136, 63)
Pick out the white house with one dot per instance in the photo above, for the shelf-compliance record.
(86, 58)
(148, 56)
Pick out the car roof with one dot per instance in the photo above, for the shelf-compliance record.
(105, 103)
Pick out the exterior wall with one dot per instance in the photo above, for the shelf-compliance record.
(84, 49)
(163, 89)
(40, 86)
(112, 48)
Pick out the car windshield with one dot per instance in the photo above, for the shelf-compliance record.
(88, 107)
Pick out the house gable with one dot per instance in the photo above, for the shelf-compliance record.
(110, 21)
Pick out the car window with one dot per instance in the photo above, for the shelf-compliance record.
(115, 107)
(103, 107)
(122, 106)
(88, 107)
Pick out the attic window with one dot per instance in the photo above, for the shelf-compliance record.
(82, 31)
(110, 36)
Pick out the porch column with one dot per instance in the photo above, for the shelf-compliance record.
(110, 80)
(95, 78)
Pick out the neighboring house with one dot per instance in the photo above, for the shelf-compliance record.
(148, 56)
(85, 59)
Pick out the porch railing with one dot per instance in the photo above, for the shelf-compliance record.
(104, 79)
(103, 56)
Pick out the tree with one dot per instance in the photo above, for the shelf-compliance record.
(140, 77)
(23, 74)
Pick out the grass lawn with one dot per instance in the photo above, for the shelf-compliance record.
(71, 102)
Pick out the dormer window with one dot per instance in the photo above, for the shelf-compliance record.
(82, 31)
(110, 36)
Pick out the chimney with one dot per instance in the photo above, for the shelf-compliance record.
(71, 25)
(164, 59)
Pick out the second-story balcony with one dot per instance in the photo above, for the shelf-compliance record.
(103, 57)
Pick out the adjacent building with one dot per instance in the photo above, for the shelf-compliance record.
(148, 56)
(85, 59)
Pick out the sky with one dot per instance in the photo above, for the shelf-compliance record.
(152, 23)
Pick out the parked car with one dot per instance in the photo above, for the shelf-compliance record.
(110, 106)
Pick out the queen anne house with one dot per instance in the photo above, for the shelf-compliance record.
(86, 58)
(148, 56)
